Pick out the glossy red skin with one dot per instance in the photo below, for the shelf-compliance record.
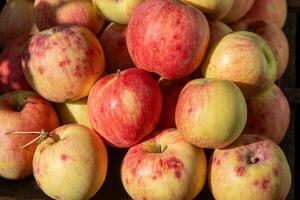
(167, 38)
(11, 74)
(37, 114)
(124, 107)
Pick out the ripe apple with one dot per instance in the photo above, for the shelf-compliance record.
(116, 11)
(22, 111)
(167, 38)
(71, 163)
(211, 113)
(16, 19)
(73, 112)
(273, 35)
(253, 167)
(63, 62)
(274, 11)
(218, 30)
(11, 74)
(49, 13)
(269, 114)
(214, 9)
(238, 10)
(242, 57)
(164, 167)
(113, 41)
(124, 107)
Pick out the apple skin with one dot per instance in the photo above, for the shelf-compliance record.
(116, 11)
(233, 175)
(72, 164)
(238, 10)
(11, 74)
(50, 13)
(273, 35)
(218, 30)
(73, 112)
(269, 115)
(125, 106)
(22, 111)
(244, 58)
(167, 38)
(274, 11)
(63, 62)
(113, 41)
(164, 167)
(16, 19)
(211, 113)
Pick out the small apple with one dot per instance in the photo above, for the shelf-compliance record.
(73, 112)
(124, 107)
(269, 114)
(63, 62)
(238, 10)
(22, 111)
(113, 41)
(211, 113)
(244, 58)
(164, 167)
(253, 167)
(167, 38)
(218, 30)
(71, 163)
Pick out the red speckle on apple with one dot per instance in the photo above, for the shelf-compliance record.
(256, 183)
(240, 171)
(173, 163)
(265, 184)
(64, 62)
(276, 172)
(41, 70)
(64, 157)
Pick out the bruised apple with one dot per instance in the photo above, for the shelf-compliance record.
(63, 62)
(167, 38)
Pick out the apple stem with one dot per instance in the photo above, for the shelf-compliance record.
(252, 159)
(118, 72)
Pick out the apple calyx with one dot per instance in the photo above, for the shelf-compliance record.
(252, 159)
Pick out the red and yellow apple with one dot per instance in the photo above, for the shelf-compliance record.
(71, 163)
(238, 10)
(124, 107)
(167, 38)
(253, 167)
(63, 62)
(22, 111)
(164, 167)
(211, 113)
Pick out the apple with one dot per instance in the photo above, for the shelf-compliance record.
(210, 113)
(274, 11)
(273, 35)
(164, 167)
(116, 11)
(71, 163)
(269, 114)
(11, 74)
(167, 38)
(218, 30)
(73, 112)
(62, 63)
(113, 41)
(49, 13)
(124, 107)
(16, 19)
(214, 9)
(22, 111)
(244, 58)
(238, 10)
(253, 167)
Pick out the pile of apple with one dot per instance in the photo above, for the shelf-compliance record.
(165, 79)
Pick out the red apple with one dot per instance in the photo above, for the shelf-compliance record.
(16, 19)
(167, 38)
(273, 35)
(238, 10)
(71, 163)
(164, 167)
(113, 41)
(253, 167)
(269, 114)
(63, 62)
(51, 13)
(274, 11)
(11, 74)
(125, 106)
(22, 111)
